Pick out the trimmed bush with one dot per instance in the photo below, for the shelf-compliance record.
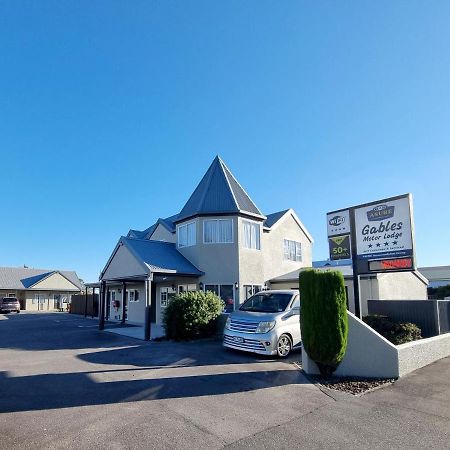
(323, 318)
(192, 315)
(395, 332)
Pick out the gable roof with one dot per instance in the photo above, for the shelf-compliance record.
(167, 223)
(274, 218)
(218, 193)
(162, 257)
(24, 278)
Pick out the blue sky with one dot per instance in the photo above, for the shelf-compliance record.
(110, 113)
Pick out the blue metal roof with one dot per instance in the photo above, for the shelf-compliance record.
(160, 256)
(218, 193)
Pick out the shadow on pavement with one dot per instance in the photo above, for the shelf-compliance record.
(50, 391)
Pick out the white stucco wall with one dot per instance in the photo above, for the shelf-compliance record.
(368, 354)
(371, 355)
(401, 286)
(414, 355)
(273, 248)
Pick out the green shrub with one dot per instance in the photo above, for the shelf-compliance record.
(191, 315)
(395, 332)
(323, 318)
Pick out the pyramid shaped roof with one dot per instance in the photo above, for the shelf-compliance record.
(219, 193)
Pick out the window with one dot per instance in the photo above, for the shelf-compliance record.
(39, 299)
(186, 287)
(251, 289)
(218, 231)
(166, 294)
(251, 232)
(186, 234)
(292, 250)
(225, 292)
(11, 295)
(133, 295)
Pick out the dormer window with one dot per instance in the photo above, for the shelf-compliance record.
(218, 231)
(186, 234)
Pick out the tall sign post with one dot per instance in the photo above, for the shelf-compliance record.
(377, 236)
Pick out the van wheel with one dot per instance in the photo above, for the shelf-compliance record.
(284, 346)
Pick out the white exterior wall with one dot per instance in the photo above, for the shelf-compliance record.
(123, 265)
(273, 248)
(55, 282)
(251, 261)
(220, 262)
(136, 309)
(401, 286)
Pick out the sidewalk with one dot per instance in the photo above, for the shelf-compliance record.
(134, 331)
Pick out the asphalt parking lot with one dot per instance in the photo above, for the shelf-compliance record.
(64, 384)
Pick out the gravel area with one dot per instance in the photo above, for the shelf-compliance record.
(352, 385)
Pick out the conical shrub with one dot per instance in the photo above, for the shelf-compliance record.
(323, 318)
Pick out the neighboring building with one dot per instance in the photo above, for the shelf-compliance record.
(39, 289)
(377, 286)
(436, 275)
(220, 241)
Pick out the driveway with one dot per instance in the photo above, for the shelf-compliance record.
(64, 384)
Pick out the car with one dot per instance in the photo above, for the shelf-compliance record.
(267, 323)
(9, 304)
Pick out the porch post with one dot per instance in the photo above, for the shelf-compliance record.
(85, 301)
(148, 303)
(107, 305)
(101, 309)
(93, 300)
(124, 299)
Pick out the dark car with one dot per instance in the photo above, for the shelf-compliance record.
(9, 304)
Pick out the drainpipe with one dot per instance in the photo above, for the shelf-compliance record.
(148, 303)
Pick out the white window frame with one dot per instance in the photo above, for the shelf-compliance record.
(131, 295)
(219, 286)
(216, 237)
(287, 250)
(11, 295)
(258, 243)
(186, 225)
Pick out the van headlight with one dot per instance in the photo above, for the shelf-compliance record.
(265, 327)
(228, 323)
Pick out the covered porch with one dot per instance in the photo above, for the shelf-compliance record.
(137, 283)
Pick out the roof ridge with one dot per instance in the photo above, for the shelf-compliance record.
(239, 184)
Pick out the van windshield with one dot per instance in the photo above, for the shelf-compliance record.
(267, 302)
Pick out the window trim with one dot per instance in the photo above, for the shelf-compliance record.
(219, 285)
(299, 253)
(230, 219)
(252, 223)
(186, 224)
